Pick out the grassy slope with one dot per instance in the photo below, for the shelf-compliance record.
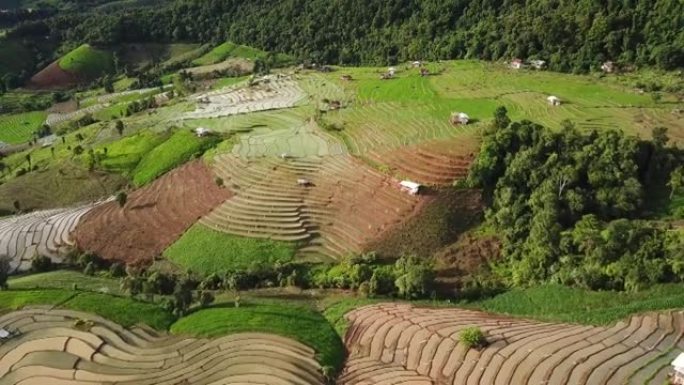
(297, 322)
(87, 61)
(124, 155)
(207, 251)
(228, 50)
(65, 279)
(121, 310)
(19, 128)
(563, 304)
(176, 150)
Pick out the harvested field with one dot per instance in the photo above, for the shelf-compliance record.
(237, 65)
(344, 206)
(391, 342)
(269, 93)
(153, 217)
(52, 76)
(60, 347)
(46, 233)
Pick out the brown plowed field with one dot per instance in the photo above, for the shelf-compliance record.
(153, 218)
(52, 76)
(346, 205)
(397, 343)
(436, 163)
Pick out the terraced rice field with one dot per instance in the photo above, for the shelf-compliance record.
(269, 93)
(66, 347)
(345, 205)
(19, 128)
(154, 216)
(46, 233)
(395, 343)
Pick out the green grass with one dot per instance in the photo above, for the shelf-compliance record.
(87, 61)
(228, 50)
(65, 279)
(124, 155)
(335, 312)
(176, 150)
(207, 251)
(124, 311)
(555, 303)
(297, 322)
(19, 128)
(225, 82)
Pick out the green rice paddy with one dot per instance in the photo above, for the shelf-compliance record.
(19, 128)
(87, 61)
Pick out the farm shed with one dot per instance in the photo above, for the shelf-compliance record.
(424, 71)
(201, 131)
(412, 188)
(538, 64)
(678, 366)
(459, 118)
(346, 78)
(516, 64)
(553, 100)
(608, 67)
(303, 182)
(417, 64)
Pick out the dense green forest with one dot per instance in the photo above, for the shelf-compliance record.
(570, 206)
(571, 35)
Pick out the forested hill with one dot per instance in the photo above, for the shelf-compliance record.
(572, 35)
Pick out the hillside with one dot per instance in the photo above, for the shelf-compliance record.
(80, 65)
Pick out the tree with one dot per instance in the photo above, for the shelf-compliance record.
(41, 263)
(121, 198)
(78, 150)
(206, 298)
(17, 206)
(676, 181)
(501, 119)
(414, 277)
(119, 125)
(28, 159)
(89, 269)
(472, 337)
(5, 268)
(182, 295)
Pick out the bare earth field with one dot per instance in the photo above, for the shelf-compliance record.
(153, 217)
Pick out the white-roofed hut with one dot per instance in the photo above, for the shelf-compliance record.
(412, 188)
(459, 118)
(553, 100)
(678, 367)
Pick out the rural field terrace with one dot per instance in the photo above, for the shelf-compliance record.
(390, 342)
(46, 233)
(50, 347)
(154, 216)
(345, 206)
(269, 93)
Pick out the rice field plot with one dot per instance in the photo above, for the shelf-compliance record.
(124, 155)
(269, 93)
(394, 342)
(46, 233)
(71, 347)
(66, 279)
(208, 251)
(19, 128)
(341, 205)
(153, 217)
(305, 140)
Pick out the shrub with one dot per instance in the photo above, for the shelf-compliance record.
(472, 337)
(41, 264)
(117, 270)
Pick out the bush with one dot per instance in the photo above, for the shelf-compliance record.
(472, 337)
(41, 264)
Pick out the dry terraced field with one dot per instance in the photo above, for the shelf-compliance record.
(345, 206)
(60, 347)
(402, 344)
(47, 233)
(154, 216)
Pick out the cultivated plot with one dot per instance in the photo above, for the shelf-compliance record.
(389, 343)
(68, 347)
(45, 233)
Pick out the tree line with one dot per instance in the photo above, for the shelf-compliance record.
(572, 207)
(571, 35)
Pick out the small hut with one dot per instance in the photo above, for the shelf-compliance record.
(424, 71)
(334, 105)
(346, 78)
(678, 367)
(538, 64)
(459, 118)
(554, 100)
(417, 64)
(303, 182)
(608, 67)
(412, 188)
(516, 64)
(392, 71)
(201, 132)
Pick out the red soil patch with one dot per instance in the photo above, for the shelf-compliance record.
(63, 107)
(465, 257)
(153, 217)
(51, 77)
(432, 163)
